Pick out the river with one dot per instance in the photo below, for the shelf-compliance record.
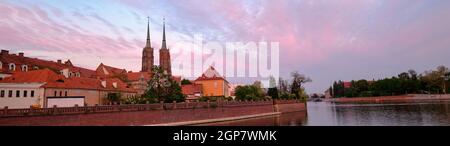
(424, 113)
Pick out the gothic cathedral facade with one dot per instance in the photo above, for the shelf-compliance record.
(164, 54)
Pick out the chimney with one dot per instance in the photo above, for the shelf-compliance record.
(59, 61)
(21, 54)
(114, 84)
(104, 84)
(6, 52)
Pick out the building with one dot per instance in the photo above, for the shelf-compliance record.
(138, 81)
(213, 84)
(164, 54)
(56, 81)
(10, 63)
(147, 53)
(347, 84)
(192, 92)
(45, 88)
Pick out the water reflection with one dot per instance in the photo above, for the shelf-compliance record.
(287, 119)
(429, 113)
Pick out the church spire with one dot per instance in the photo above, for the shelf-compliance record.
(164, 35)
(148, 45)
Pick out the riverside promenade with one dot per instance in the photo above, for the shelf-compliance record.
(159, 114)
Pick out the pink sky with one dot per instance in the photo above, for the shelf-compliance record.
(326, 40)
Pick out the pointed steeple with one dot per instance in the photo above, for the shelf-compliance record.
(164, 46)
(147, 44)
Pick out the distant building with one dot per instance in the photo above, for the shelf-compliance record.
(213, 84)
(45, 88)
(347, 84)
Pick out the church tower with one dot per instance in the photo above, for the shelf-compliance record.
(147, 53)
(164, 54)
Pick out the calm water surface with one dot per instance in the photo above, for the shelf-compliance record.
(427, 113)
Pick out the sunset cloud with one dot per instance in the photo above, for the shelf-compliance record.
(325, 39)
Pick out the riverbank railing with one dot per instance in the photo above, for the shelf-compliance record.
(32, 111)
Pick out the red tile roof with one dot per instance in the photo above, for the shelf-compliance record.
(177, 79)
(210, 74)
(347, 84)
(18, 60)
(44, 75)
(111, 70)
(135, 76)
(53, 80)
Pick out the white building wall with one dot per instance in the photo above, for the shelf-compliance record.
(21, 101)
(65, 102)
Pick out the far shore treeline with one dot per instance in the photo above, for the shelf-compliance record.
(430, 82)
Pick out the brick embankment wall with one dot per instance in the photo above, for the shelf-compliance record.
(149, 117)
(293, 107)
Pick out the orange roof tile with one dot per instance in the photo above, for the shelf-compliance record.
(135, 76)
(111, 70)
(41, 64)
(53, 80)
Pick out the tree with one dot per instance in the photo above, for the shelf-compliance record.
(163, 88)
(404, 76)
(283, 86)
(338, 89)
(185, 82)
(248, 92)
(331, 91)
(273, 92)
(258, 87)
(113, 97)
(272, 82)
(435, 79)
(297, 81)
(412, 74)
(360, 85)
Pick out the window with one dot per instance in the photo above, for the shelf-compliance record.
(25, 92)
(12, 67)
(24, 68)
(1, 65)
(32, 93)
(35, 67)
(17, 93)
(70, 74)
(65, 93)
(10, 93)
(2, 93)
(55, 93)
(60, 93)
(77, 74)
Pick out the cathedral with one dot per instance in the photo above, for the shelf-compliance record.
(164, 54)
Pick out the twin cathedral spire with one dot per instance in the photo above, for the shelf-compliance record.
(164, 54)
